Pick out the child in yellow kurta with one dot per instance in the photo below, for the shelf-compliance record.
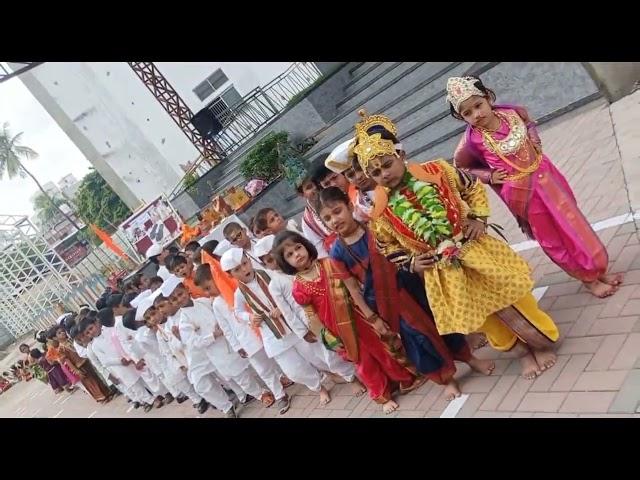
(435, 226)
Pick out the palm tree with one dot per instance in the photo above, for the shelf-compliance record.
(47, 208)
(10, 154)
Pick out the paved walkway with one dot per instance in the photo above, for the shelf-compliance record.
(598, 369)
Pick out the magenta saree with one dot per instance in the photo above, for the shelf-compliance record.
(542, 201)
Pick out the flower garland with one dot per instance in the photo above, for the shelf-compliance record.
(430, 224)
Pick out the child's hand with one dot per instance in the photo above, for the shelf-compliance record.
(176, 332)
(310, 337)
(275, 314)
(498, 176)
(242, 353)
(381, 327)
(140, 365)
(125, 362)
(473, 228)
(423, 262)
(217, 333)
(256, 319)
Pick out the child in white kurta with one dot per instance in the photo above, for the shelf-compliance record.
(281, 287)
(280, 343)
(173, 349)
(110, 357)
(135, 353)
(172, 353)
(201, 371)
(202, 331)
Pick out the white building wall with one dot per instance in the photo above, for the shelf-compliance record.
(119, 125)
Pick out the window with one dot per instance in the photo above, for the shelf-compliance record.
(231, 96)
(221, 106)
(213, 82)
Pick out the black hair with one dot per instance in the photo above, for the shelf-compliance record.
(173, 249)
(199, 216)
(101, 303)
(127, 297)
(74, 331)
(158, 299)
(191, 246)
(106, 317)
(196, 256)
(85, 323)
(70, 321)
(114, 300)
(203, 274)
(42, 337)
(230, 227)
(175, 260)
(320, 170)
(155, 280)
(35, 353)
(51, 333)
(261, 218)
(287, 236)
(137, 280)
(129, 320)
(210, 246)
(488, 93)
(333, 194)
(23, 345)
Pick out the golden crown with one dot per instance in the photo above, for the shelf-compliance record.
(371, 146)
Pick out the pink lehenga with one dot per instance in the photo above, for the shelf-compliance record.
(535, 191)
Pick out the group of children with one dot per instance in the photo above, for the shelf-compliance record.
(390, 280)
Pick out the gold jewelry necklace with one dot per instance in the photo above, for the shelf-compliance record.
(516, 140)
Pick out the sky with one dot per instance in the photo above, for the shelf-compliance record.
(58, 156)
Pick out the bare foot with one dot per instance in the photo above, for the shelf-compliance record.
(389, 407)
(267, 399)
(614, 279)
(599, 289)
(324, 397)
(451, 390)
(286, 383)
(335, 378)
(477, 340)
(357, 388)
(486, 367)
(545, 359)
(530, 368)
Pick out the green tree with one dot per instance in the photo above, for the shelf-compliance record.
(97, 203)
(47, 208)
(11, 153)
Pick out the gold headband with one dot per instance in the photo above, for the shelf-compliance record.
(460, 89)
(372, 146)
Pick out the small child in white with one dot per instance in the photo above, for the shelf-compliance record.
(322, 358)
(280, 343)
(201, 371)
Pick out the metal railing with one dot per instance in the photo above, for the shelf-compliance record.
(243, 120)
(246, 118)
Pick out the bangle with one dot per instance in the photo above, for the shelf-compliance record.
(372, 318)
(412, 263)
